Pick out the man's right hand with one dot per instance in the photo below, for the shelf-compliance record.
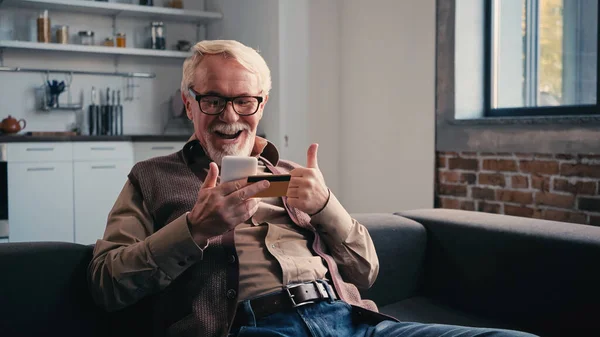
(221, 208)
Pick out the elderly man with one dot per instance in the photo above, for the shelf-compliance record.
(218, 261)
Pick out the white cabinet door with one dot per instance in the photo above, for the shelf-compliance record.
(40, 201)
(147, 150)
(97, 186)
(3, 240)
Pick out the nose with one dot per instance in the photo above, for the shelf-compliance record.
(229, 115)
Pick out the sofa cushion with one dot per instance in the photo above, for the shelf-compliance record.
(43, 291)
(400, 245)
(426, 310)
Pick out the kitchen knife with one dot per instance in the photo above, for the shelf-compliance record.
(106, 112)
(98, 115)
(92, 114)
(111, 115)
(119, 114)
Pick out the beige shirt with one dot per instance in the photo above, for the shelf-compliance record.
(272, 251)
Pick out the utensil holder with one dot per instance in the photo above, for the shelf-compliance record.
(49, 102)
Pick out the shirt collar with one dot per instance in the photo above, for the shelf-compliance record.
(193, 152)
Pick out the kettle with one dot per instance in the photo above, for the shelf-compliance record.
(12, 125)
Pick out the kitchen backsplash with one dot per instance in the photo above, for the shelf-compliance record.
(147, 113)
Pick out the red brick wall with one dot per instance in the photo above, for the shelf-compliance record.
(547, 186)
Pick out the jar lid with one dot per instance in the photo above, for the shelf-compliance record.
(157, 23)
(86, 33)
(120, 34)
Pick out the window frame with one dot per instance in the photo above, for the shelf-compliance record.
(564, 110)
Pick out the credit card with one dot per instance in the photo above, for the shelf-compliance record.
(278, 187)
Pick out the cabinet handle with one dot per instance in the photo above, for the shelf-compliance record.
(36, 169)
(105, 148)
(163, 148)
(40, 149)
(103, 167)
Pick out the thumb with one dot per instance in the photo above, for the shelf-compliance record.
(211, 176)
(311, 160)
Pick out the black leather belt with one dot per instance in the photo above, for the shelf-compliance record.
(292, 296)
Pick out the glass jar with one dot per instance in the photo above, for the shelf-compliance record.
(43, 27)
(109, 42)
(62, 35)
(86, 37)
(121, 40)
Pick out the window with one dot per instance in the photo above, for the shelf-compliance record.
(541, 57)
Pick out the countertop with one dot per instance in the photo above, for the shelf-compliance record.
(81, 138)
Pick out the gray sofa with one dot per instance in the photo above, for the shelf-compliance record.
(441, 266)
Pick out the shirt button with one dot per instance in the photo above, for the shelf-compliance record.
(231, 259)
(181, 263)
(231, 294)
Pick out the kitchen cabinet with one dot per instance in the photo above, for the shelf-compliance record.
(100, 170)
(3, 240)
(147, 150)
(40, 201)
(97, 185)
(64, 191)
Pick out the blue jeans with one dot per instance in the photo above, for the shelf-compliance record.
(334, 319)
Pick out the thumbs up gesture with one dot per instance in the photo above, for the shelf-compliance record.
(307, 190)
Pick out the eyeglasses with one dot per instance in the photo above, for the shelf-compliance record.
(215, 104)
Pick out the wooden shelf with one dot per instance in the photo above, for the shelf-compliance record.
(26, 45)
(117, 9)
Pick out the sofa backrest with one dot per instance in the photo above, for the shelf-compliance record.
(400, 244)
(43, 291)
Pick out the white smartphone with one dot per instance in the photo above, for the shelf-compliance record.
(237, 167)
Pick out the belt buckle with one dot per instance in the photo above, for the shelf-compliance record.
(291, 296)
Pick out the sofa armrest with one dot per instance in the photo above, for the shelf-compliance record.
(542, 275)
(400, 245)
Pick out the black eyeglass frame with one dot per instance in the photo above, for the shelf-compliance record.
(198, 97)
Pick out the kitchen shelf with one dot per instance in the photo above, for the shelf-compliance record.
(117, 9)
(27, 45)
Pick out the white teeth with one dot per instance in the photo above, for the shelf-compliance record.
(229, 129)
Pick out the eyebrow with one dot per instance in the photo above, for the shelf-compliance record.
(219, 94)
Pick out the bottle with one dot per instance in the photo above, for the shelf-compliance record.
(43, 27)
(157, 37)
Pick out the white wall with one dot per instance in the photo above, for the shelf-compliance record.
(147, 114)
(387, 104)
(358, 78)
(256, 24)
(323, 109)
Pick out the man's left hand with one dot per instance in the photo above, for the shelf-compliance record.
(307, 190)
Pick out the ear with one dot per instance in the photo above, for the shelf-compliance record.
(187, 102)
(262, 106)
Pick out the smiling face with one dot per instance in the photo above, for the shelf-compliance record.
(227, 133)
